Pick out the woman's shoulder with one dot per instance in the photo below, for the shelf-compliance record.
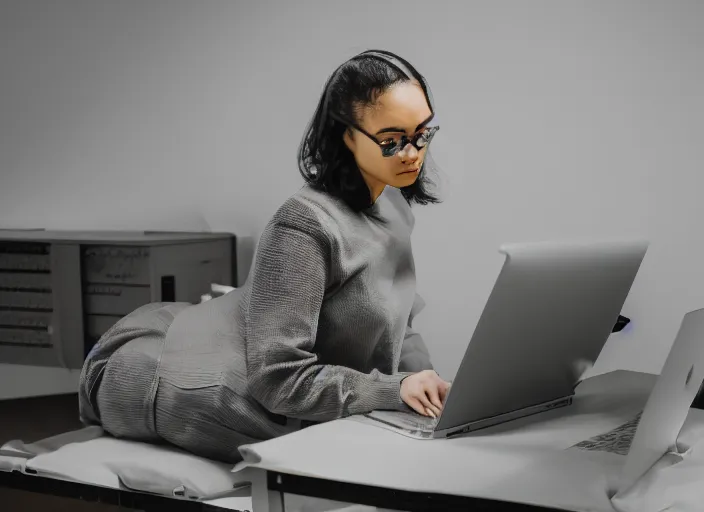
(319, 213)
(308, 210)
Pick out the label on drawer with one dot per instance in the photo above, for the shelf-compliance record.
(115, 264)
(26, 300)
(114, 299)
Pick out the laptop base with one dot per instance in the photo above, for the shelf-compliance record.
(503, 418)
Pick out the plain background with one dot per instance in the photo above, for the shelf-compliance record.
(559, 120)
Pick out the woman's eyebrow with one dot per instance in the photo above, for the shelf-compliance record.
(395, 129)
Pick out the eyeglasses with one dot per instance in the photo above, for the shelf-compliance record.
(394, 144)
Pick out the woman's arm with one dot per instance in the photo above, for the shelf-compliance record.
(289, 279)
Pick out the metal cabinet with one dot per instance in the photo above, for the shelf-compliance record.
(61, 290)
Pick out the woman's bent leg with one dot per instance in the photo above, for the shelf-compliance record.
(118, 379)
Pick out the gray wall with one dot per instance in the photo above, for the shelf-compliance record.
(559, 119)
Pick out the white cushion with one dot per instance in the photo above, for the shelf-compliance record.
(14, 454)
(113, 463)
(52, 443)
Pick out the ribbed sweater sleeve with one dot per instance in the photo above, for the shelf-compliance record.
(289, 279)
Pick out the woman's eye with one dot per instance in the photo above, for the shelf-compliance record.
(388, 142)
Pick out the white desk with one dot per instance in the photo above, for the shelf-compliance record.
(530, 461)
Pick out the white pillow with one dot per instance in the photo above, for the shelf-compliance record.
(160, 469)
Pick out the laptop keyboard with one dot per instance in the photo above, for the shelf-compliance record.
(422, 422)
(406, 420)
(617, 440)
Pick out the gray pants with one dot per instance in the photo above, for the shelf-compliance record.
(125, 388)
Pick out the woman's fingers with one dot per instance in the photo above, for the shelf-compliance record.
(444, 388)
(416, 405)
(425, 393)
(435, 412)
(426, 403)
(433, 393)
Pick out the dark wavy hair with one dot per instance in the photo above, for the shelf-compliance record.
(324, 161)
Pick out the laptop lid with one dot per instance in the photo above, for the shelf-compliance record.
(669, 402)
(552, 305)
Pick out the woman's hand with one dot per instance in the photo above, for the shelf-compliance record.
(425, 392)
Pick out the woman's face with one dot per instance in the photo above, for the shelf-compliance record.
(401, 110)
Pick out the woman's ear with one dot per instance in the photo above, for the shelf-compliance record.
(349, 140)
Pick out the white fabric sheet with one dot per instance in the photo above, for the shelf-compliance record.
(111, 462)
(88, 456)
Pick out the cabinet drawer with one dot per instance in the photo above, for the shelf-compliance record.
(97, 325)
(25, 319)
(116, 264)
(26, 337)
(28, 262)
(114, 299)
(24, 281)
(26, 300)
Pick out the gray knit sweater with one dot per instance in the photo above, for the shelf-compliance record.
(320, 330)
(326, 312)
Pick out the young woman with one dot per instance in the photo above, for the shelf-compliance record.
(322, 327)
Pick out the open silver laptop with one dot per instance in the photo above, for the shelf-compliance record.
(669, 402)
(553, 304)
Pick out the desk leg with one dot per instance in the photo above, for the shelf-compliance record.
(263, 500)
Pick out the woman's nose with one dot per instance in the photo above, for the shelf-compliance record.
(408, 152)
